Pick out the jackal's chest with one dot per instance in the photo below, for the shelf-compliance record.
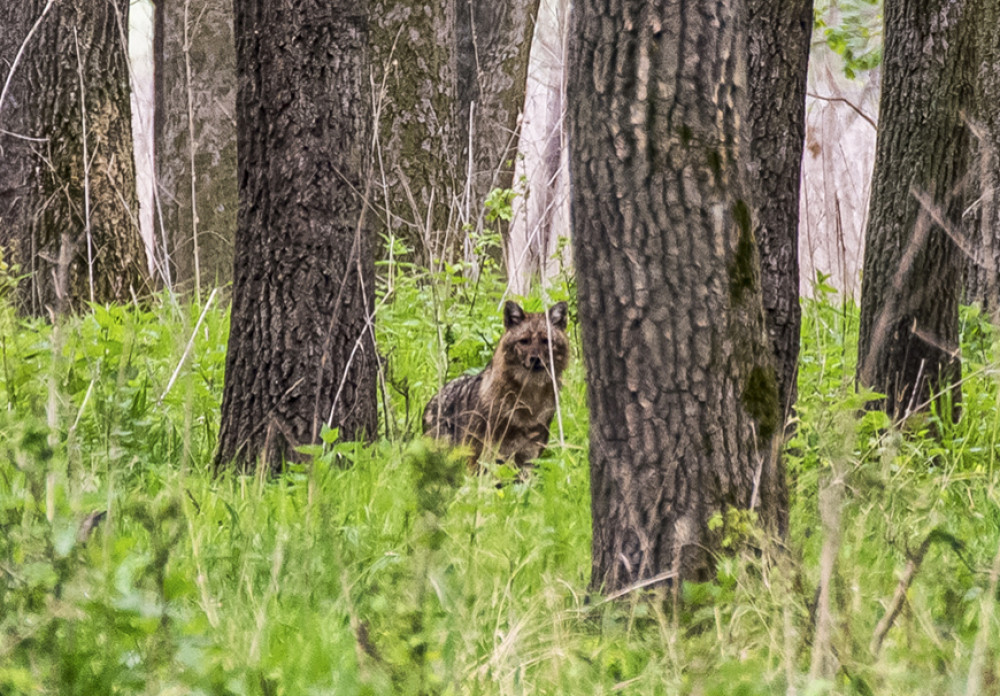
(523, 410)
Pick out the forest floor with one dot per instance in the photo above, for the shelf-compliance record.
(389, 569)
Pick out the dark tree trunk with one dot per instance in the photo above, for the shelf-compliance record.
(414, 64)
(779, 35)
(67, 184)
(908, 343)
(301, 342)
(435, 59)
(196, 96)
(494, 41)
(982, 282)
(683, 399)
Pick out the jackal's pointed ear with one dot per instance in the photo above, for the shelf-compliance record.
(512, 315)
(557, 315)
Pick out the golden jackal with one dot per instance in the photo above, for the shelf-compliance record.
(507, 408)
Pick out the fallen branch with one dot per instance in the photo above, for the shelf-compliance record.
(655, 580)
(909, 572)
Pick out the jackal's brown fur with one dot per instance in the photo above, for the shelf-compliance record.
(506, 409)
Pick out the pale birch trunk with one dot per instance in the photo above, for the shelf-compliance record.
(541, 174)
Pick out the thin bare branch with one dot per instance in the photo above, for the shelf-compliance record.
(187, 348)
(905, 580)
(192, 143)
(88, 231)
(855, 107)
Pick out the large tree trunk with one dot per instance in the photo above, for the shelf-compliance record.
(779, 33)
(683, 399)
(982, 281)
(434, 60)
(67, 185)
(908, 343)
(195, 130)
(301, 348)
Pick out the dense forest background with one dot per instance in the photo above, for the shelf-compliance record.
(842, 109)
(212, 478)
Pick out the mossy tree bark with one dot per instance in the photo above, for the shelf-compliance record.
(982, 280)
(683, 399)
(301, 348)
(435, 59)
(779, 36)
(68, 207)
(195, 130)
(908, 345)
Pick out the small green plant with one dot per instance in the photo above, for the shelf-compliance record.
(853, 30)
(734, 526)
(500, 204)
(8, 278)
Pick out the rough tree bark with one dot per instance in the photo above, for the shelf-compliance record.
(494, 42)
(779, 37)
(68, 207)
(908, 345)
(195, 130)
(414, 68)
(982, 280)
(683, 399)
(301, 349)
(435, 59)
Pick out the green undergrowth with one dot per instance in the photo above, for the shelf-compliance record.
(388, 568)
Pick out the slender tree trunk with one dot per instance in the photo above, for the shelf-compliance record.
(301, 349)
(494, 42)
(982, 281)
(779, 36)
(67, 185)
(435, 60)
(541, 212)
(414, 64)
(195, 127)
(683, 398)
(908, 343)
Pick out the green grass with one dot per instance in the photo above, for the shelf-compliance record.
(388, 569)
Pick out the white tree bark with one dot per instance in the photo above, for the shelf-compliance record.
(541, 174)
(140, 48)
(836, 174)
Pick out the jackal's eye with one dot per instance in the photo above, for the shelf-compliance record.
(525, 341)
(545, 341)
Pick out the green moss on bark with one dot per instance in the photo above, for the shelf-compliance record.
(743, 269)
(760, 398)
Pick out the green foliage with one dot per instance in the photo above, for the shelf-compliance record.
(433, 326)
(853, 30)
(734, 527)
(500, 204)
(390, 569)
(8, 278)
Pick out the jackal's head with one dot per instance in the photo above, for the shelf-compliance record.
(533, 342)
